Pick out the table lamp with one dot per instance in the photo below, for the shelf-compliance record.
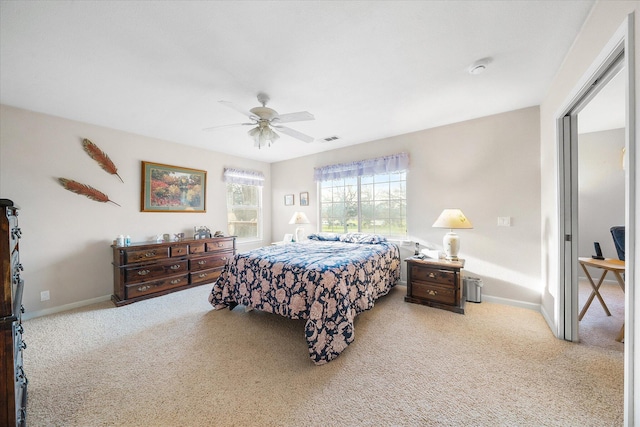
(299, 218)
(451, 219)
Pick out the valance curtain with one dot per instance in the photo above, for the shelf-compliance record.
(239, 176)
(387, 164)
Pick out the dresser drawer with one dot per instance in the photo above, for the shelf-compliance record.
(207, 262)
(220, 245)
(205, 276)
(178, 250)
(140, 289)
(197, 248)
(151, 271)
(445, 277)
(445, 294)
(148, 254)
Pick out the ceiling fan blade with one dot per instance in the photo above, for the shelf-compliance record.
(239, 110)
(294, 133)
(227, 126)
(294, 117)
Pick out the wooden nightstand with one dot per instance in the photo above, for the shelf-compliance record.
(436, 283)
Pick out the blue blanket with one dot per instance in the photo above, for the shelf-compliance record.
(327, 283)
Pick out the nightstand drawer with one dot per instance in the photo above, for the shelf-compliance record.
(433, 275)
(434, 292)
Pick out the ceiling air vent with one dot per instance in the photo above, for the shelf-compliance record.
(330, 138)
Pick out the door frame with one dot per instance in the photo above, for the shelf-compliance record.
(567, 138)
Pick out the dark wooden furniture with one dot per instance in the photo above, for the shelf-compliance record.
(146, 270)
(436, 283)
(13, 381)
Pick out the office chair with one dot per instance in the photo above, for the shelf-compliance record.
(618, 240)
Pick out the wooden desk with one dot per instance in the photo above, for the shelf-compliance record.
(608, 265)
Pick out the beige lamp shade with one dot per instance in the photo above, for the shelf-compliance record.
(452, 219)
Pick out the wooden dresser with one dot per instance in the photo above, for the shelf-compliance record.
(436, 283)
(13, 381)
(146, 270)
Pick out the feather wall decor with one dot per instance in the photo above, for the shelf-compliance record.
(101, 157)
(85, 190)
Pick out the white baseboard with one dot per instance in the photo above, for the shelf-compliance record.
(33, 314)
(512, 302)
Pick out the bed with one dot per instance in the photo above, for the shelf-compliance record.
(327, 280)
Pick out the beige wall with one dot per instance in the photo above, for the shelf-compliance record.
(66, 242)
(600, 191)
(488, 167)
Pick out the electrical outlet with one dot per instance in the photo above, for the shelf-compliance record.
(44, 296)
(504, 221)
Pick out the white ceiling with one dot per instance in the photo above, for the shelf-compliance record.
(366, 70)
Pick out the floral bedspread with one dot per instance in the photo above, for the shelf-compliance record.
(327, 283)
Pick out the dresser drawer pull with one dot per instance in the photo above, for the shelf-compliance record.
(202, 262)
(224, 258)
(432, 292)
(144, 288)
(201, 275)
(432, 275)
(175, 267)
(220, 245)
(176, 281)
(143, 272)
(150, 254)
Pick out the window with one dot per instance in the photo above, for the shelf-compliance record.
(353, 200)
(244, 204)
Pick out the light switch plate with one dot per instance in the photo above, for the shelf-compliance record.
(504, 221)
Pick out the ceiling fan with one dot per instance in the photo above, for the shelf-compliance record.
(266, 119)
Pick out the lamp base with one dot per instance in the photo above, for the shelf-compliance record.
(451, 244)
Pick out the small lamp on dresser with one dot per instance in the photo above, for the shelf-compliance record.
(452, 219)
(299, 218)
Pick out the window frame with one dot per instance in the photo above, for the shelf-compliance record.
(259, 209)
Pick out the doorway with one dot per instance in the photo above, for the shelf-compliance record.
(619, 52)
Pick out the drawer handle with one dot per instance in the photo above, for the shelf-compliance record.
(224, 258)
(175, 267)
(144, 288)
(176, 281)
(143, 272)
(201, 275)
(431, 275)
(150, 254)
(432, 292)
(220, 245)
(202, 262)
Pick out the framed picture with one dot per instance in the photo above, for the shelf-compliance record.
(288, 200)
(304, 199)
(167, 188)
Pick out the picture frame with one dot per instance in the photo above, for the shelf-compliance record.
(304, 199)
(167, 188)
(289, 200)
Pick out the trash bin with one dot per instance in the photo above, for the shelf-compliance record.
(473, 289)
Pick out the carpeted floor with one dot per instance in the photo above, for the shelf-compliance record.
(173, 361)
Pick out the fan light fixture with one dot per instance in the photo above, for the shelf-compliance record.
(263, 135)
